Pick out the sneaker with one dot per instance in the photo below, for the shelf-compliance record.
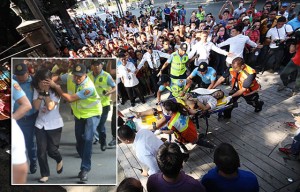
(132, 104)
(113, 142)
(84, 176)
(207, 144)
(186, 156)
(281, 88)
(96, 141)
(276, 73)
(286, 151)
(103, 146)
(259, 108)
(33, 167)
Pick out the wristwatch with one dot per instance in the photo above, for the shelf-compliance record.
(47, 93)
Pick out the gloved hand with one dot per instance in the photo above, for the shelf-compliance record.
(228, 99)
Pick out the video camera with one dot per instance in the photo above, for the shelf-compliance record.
(295, 37)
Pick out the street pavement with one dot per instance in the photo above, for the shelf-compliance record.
(103, 163)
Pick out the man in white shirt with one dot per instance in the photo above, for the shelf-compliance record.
(153, 59)
(276, 38)
(127, 73)
(145, 144)
(132, 29)
(202, 49)
(237, 43)
(237, 12)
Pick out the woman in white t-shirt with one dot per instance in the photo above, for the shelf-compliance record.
(49, 123)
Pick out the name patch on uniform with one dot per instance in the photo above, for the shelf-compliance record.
(17, 86)
(86, 92)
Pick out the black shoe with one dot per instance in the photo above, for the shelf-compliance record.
(33, 167)
(113, 142)
(83, 176)
(96, 141)
(186, 156)
(207, 144)
(259, 107)
(132, 104)
(103, 146)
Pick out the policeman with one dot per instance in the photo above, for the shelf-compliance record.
(27, 122)
(207, 74)
(178, 62)
(243, 84)
(105, 86)
(177, 87)
(86, 107)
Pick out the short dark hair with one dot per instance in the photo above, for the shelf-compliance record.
(125, 132)
(238, 60)
(226, 158)
(281, 19)
(238, 27)
(130, 185)
(169, 159)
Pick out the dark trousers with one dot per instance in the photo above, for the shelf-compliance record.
(122, 92)
(153, 82)
(47, 142)
(290, 68)
(137, 91)
(113, 122)
(168, 21)
(101, 126)
(252, 99)
(274, 58)
(296, 145)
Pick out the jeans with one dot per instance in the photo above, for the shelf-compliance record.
(290, 68)
(101, 131)
(27, 125)
(84, 133)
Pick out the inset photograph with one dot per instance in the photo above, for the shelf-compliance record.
(63, 121)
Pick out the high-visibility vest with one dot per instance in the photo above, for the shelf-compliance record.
(201, 15)
(101, 86)
(178, 65)
(84, 108)
(241, 77)
(180, 122)
(175, 89)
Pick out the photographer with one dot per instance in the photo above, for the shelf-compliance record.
(276, 38)
(254, 34)
(293, 65)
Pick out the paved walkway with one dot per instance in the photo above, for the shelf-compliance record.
(256, 137)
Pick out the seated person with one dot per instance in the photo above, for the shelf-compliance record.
(172, 178)
(145, 144)
(130, 184)
(204, 76)
(227, 176)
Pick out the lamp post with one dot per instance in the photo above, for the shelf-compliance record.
(34, 34)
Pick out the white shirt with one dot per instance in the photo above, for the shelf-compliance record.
(208, 99)
(115, 34)
(49, 120)
(129, 78)
(18, 150)
(237, 12)
(203, 50)
(146, 145)
(275, 33)
(237, 44)
(132, 30)
(156, 55)
(285, 14)
(93, 35)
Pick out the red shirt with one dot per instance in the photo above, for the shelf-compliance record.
(296, 58)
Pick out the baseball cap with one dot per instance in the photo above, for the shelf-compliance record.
(202, 67)
(285, 4)
(246, 17)
(163, 79)
(97, 62)
(20, 69)
(79, 70)
(183, 46)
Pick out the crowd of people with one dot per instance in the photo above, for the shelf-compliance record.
(37, 95)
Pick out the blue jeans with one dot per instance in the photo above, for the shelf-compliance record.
(284, 75)
(101, 131)
(27, 125)
(84, 133)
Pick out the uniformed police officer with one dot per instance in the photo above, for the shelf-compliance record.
(105, 86)
(86, 106)
(207, 76)
(27, 122)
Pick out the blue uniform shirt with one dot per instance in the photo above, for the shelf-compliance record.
(17, 92)
(208, 77)
(180, 83)
(28, 89)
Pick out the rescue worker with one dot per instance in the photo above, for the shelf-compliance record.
(86, 107)
(243, 84)
(27, 122)
(177, 87)
(178, 60)
(105, 86)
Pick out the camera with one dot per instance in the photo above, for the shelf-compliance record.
(252, 27)
(277, 42)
